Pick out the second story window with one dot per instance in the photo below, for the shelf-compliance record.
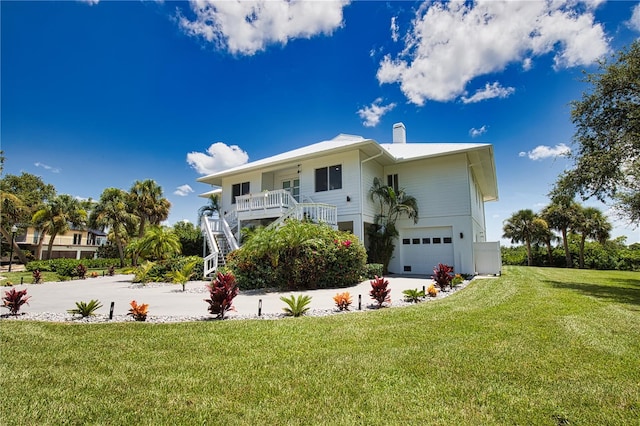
(239, 189)
(77, 239)
(392, 181)
(329, 178)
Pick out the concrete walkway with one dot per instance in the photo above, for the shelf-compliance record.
(169, 300)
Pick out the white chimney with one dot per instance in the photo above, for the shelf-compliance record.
(399, 133)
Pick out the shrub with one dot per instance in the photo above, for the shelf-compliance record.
(138, 312)
(14, 299)
(298, 255)
(296, 307)
(37, 276)
(221, 293)
(86, 309)
(442, 275)
(413, 295)
(184, 274)
(432, 291)
(343, 301)
(372, 270)
(457, 280)
(142, 274)
(94, 274)
(379, 291)
(81, 271)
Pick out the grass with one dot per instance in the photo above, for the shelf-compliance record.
(26, 277)
(535, 346)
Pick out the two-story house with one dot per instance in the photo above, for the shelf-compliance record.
(76, 243)
(330, 181)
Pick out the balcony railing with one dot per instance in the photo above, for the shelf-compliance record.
(278, 200)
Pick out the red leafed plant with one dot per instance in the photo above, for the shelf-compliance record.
(138, 312)
(379, 291)
(343, 301)
(222, 290)
(14, 299)
(442, 275)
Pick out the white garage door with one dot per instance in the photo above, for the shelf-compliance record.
(423, 248)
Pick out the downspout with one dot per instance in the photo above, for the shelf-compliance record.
(362, 199)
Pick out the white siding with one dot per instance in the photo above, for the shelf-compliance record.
(370, 170)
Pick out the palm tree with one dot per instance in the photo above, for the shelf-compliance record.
(545, 236)
(160, 243)
(211, 209)
(11, 210)
(112, 212)
(524, 226)
(392, 205)
(594, 225)
(562, 215)
(57, 216)
(148, 203)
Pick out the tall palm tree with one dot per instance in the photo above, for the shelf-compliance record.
(392, 205)
(148, 204)
(112, 212)
(211, 209)
(524, 226)
(57, 216)
(562, 215)
(593, 225)
(11, 210)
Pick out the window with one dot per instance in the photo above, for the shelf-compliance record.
(447, 240)
(426, 241)
(407, 268)
(416, 241)
(392, 181)
(437, 240)
(329, 178)
(406, 241)
(239, 189)
(77, 239)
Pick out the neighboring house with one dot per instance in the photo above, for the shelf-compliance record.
(329, 181)
(73, 244)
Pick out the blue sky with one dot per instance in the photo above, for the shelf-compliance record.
(101, 94)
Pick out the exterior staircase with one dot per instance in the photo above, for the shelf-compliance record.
(220, 241)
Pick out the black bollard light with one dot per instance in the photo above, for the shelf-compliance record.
(21, 280)
(359, 302)
(259, 307)
(111, 310)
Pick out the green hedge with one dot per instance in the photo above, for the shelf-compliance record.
(65, 267)
(298, 255)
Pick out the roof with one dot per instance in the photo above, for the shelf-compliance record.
(480, 158)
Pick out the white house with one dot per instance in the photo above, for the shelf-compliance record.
(329, 181)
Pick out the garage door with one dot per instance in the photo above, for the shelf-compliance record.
(423, 248)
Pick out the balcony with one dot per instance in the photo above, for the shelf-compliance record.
(280, 204)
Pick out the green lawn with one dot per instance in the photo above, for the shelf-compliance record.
(536, 346)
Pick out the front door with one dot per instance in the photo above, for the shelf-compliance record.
(293, 187)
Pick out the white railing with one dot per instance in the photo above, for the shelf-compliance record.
(278, 199)
(208, 226)
(315, 212)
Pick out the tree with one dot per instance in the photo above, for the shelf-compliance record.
(211, 209)
(191, 238)
(524, 226)
(21, 196)
(159, 243)
(607, 121)
(111, 211)
(562, 214)
(148, 204)
(391, 206)
(593, 225)
(57, 217)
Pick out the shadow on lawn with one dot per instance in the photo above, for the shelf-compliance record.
(619, 291)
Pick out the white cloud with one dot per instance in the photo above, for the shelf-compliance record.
(634, 21)
(371, 114)
(47, 167)
(449, 44)
(394, 28)
(90, 2)
(490, 91)
(474, 133)
(542, 152)
(183, 190)
(218, 157)
(246, 27)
